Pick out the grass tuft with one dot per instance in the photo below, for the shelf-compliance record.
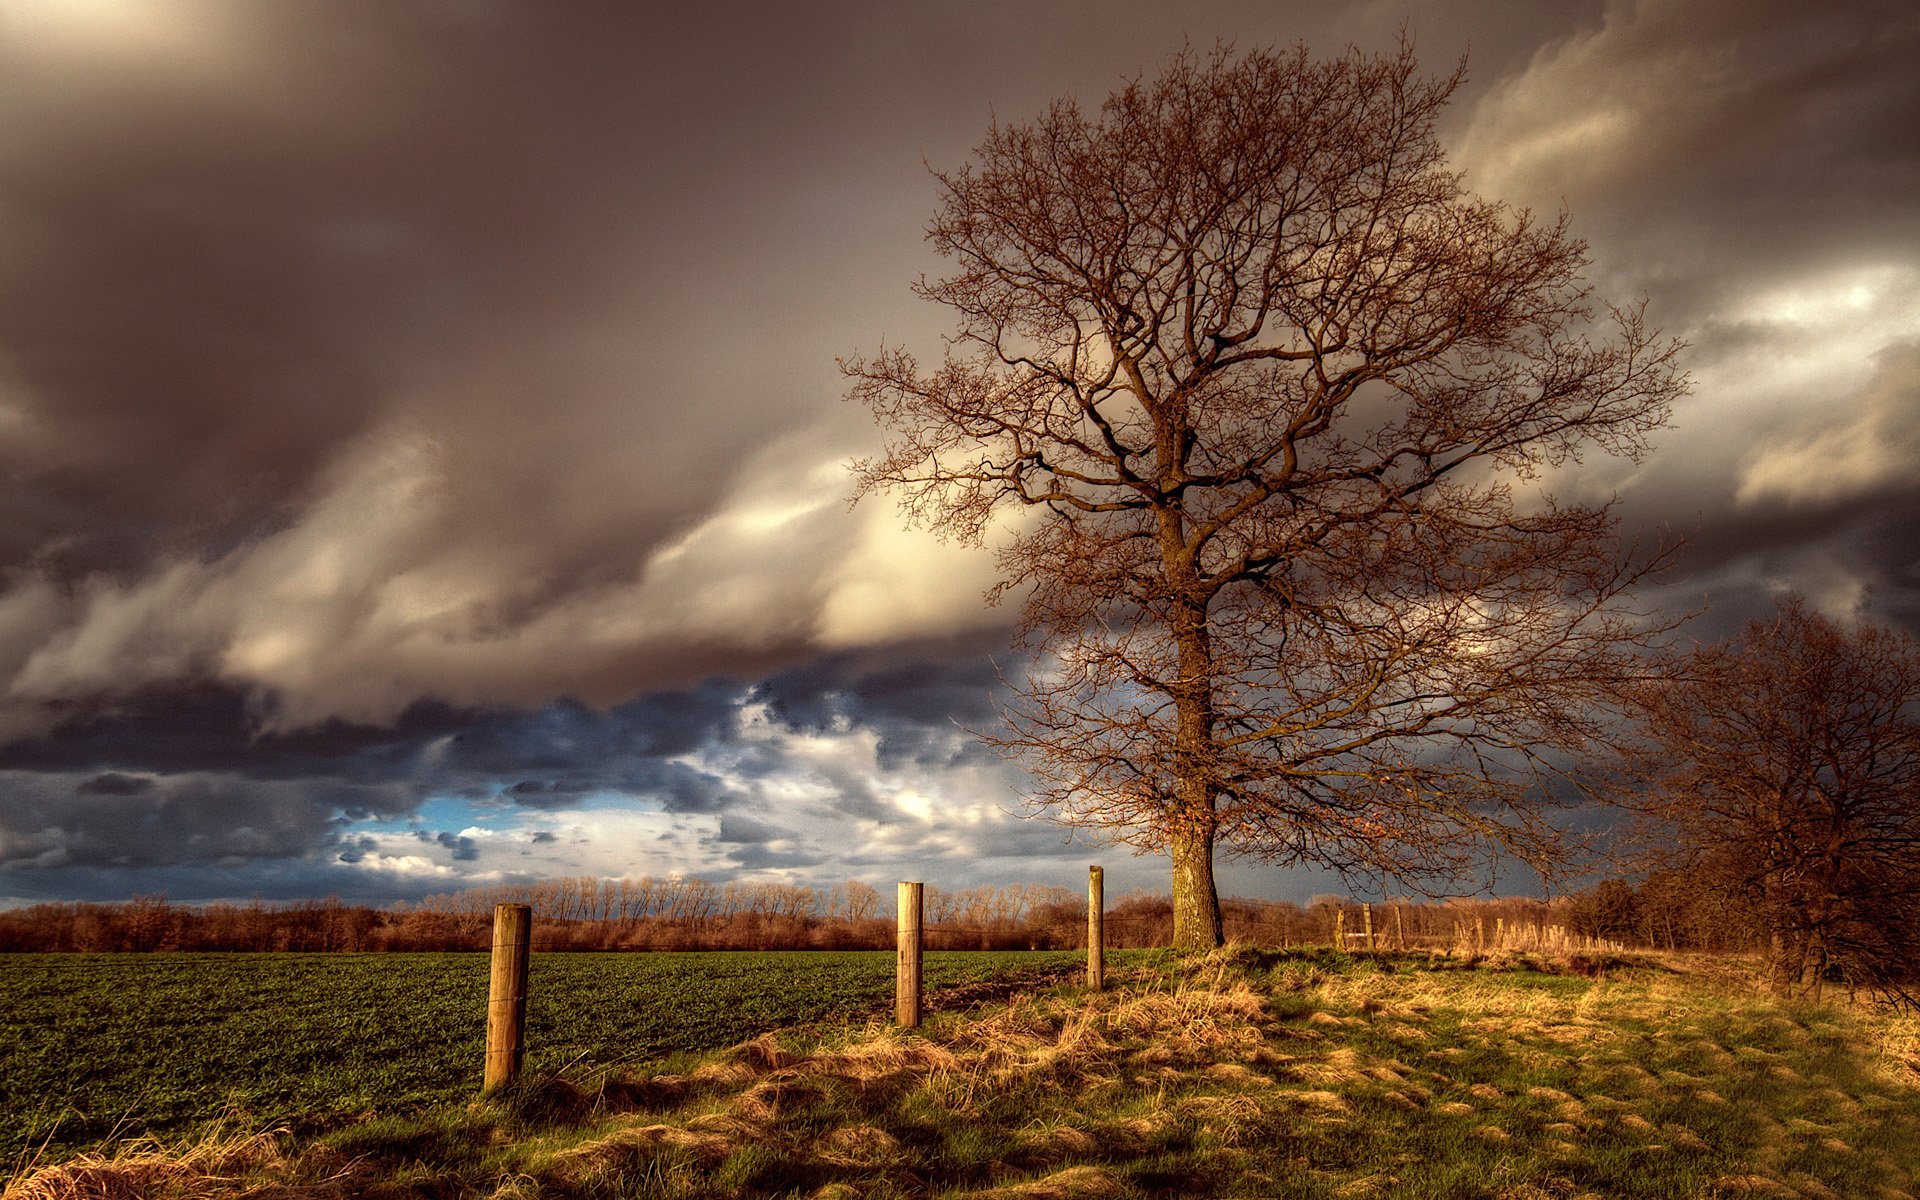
(209, 1167)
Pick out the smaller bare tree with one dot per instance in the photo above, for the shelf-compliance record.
(1787, 762)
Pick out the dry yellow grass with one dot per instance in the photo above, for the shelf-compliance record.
(1074, 1183)
(212, 1167)
(627, 1148)
(1896, 1048)
(1753, 1185)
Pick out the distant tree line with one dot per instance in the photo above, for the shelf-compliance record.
(684, 913)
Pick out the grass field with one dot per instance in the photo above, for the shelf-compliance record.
(127, 1044)
(1307, 1075)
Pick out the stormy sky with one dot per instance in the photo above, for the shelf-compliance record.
(423, 459)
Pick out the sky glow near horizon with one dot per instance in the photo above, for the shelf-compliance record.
(425, 460)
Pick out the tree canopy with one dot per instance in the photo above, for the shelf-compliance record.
(1277, 393)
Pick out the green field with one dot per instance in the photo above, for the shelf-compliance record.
(1304, 1074)
(1245, 1074)
(128, 1044)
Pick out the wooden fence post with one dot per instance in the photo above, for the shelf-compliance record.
(906, 995)
(1366, 916)
(1339, 929)
(507, 994)
(1399, 929)
(1096, 928)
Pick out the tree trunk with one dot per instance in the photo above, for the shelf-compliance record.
(1196, 907)
(1784, 953)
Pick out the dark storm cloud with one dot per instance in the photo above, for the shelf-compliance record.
(747, 832)
(541, 794)
(562, 750)
(213, 729)
(761, 858)
(112, 783)
(176, 819)
(1821, 498)
(930, 682)
(465, 849)
(571, 737)
(555, 756)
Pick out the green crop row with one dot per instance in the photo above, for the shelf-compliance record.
(93, 1046)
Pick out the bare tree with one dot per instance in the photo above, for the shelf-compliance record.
(1275, 386)
(863, 901)
(1787, 771)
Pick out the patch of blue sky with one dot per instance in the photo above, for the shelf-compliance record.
(440, 812)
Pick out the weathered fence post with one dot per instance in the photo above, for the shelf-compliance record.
(1339, 929)
(1096, 928)
(906, 996)
(1366, 916)
(507, 994)
(1399, 930)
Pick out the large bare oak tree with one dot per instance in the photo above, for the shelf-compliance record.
(1273, 387)
(1786, 773)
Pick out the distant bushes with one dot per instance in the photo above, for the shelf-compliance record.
(1667, 910)
(147, 923)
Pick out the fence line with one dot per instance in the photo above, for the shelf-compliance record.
(1245, 920)
(513, 923)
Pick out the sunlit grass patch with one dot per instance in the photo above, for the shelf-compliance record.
(1622, 1082)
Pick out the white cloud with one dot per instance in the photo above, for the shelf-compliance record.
(900, 582)
(1869, 441)
(409, 869)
